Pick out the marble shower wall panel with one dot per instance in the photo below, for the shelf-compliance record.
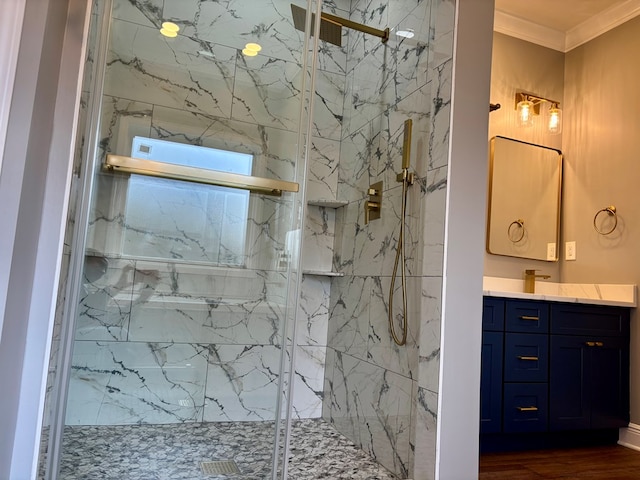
(322, 174)
(319, 238)
(429, 341)
(358, 151)
(187, 303)
(105, 302)
(432, 221)
(308, 382)
(349, 315)
(313, 311)
(241, 383)
(373, 406)
(130, 382)
(424, 441)
(142, 66)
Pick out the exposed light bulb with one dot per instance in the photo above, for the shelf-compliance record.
(555, 120)
(525, 113)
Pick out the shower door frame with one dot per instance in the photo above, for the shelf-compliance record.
(84, 194)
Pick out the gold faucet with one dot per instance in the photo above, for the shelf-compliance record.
(530, 280)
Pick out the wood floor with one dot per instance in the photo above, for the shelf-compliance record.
(610, 463)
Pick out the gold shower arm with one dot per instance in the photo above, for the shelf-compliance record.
(140, 166)
(383, 34)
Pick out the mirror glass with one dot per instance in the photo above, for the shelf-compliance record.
(524, 199)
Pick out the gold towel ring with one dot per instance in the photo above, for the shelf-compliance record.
(519, 223)
(611, 211)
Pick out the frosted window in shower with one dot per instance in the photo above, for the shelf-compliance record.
(175, 219)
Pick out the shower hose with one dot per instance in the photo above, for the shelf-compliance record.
(400, 256)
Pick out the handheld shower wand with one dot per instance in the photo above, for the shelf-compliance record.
(407, 179)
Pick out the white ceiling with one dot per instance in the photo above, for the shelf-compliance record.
(562, 24)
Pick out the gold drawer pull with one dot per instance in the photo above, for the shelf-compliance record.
(529, 317)
(533, 359)
(527, 409)
(594, 344)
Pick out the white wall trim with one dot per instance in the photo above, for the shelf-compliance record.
(630, 437)
(602, 23)
(528, 31)
(563, 42)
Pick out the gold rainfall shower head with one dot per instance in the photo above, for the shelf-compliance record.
(331, 26)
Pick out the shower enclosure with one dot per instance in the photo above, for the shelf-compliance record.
(227, 307)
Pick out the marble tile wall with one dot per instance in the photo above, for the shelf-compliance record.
(387, 84)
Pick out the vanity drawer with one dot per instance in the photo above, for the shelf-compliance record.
(493, 314)
(527, 317)
(525, 407)
(526, 357)
(594, 320)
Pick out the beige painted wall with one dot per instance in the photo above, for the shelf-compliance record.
(519, 65)
(602, 166)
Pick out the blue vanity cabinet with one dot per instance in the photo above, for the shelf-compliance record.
(553, 369)
(589, 367)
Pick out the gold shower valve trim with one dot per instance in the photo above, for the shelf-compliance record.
(373, 206)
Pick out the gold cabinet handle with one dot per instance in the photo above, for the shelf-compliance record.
(594, 344)
(529, 317)
(527, 409)
(532, 359)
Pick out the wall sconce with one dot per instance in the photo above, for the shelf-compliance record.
(528, 106)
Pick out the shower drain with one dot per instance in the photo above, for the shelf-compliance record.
(220, 467)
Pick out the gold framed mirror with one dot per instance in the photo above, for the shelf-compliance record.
(525, 188)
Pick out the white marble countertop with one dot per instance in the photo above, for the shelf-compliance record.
(591, 293)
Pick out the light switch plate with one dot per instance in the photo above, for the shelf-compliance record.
(551, 251)
(570, 250)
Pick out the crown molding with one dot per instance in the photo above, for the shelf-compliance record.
(563, 42)
(528, 31)
(602, 23)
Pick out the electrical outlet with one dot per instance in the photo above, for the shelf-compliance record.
(551, 251)
(570, 250)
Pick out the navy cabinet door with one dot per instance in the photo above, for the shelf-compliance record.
(589, 382)
(569, 384)
(491, 383)
(610, 380)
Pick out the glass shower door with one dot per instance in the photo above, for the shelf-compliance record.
(177, 352)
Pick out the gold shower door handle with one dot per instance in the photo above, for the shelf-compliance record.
(266, 186)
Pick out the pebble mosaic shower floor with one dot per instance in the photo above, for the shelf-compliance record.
(167, 452)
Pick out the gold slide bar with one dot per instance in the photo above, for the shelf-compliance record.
(267, 186)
